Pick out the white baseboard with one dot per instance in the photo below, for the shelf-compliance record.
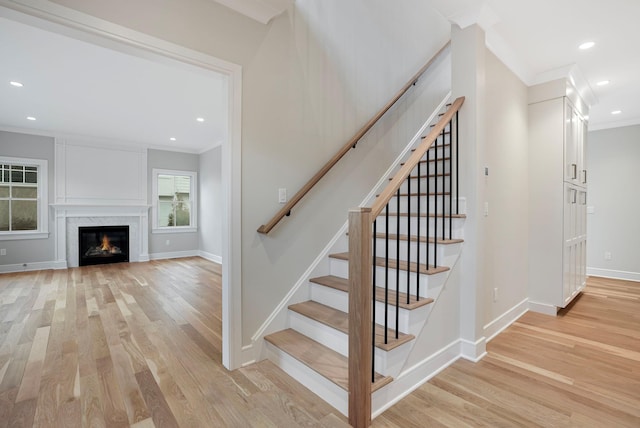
(211, 257)
(614, 274)
(496, 326)
(24, 267)
(174, 255)
(473, 351)
(414, 377)
(543, 308)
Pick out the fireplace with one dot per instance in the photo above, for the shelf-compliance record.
(103, 244)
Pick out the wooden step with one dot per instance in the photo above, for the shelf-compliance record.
(431, 160)
(432, 215)
(423, 239)
(340, 321)
(403, 265)
(319, 358)
(415, 177)
(423, 194)
(342, 284)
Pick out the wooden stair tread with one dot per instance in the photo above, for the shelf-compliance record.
(431, 160)
(403, 265)
(340, 321)
(342, 284)
(425, 215)
(415, 177)
(319, 358)
(422, 239)
(422, 194)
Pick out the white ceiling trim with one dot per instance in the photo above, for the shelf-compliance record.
(262, 11)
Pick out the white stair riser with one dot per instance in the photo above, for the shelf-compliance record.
(387, 363)
(434, 167)
(410, 204)
(440, 150)
(320, 385)
(413, 222)
(409, 251)
(321, 333)
(423, 184)
(410, 321)
(427, 282)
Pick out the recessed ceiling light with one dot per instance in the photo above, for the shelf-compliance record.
(200, 119)
(586, 45)
(16, 84)
(172, 138)
(603, 83)
(616, 112)
(31, 118)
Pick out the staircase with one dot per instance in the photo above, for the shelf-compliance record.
(417, 239)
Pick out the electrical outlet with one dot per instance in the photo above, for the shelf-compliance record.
(607, 255)
(282, 195)
(486, 209)
(495, 294)
(167, 242)
(3, 251)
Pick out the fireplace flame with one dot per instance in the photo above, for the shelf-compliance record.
(106, 245)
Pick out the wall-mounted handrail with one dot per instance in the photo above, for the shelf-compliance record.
(286, 209)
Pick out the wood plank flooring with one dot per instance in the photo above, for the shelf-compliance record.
(139, 345)
(134, 345)
(580, 369)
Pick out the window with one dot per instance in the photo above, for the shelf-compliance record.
(174, 201)
(23, 198)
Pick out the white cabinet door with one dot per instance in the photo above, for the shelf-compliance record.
(570, 160)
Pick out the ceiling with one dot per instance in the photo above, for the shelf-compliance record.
(539, 40)
(76, 88)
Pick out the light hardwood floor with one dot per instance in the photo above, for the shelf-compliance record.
(139, 345)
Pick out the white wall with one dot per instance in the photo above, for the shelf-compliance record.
(613, 156)
(211, 204)
(31, 250)
(506, 191)
(102, 173)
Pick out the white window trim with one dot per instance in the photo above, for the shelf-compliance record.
(43, 200)
(194, 202)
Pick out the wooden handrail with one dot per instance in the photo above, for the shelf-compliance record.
(361, 331)
(286, 210)
(391, 189)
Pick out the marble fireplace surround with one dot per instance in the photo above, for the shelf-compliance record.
(69, 218)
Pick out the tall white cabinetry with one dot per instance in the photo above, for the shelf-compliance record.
(558, 195)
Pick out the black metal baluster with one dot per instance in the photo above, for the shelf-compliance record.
(417, 233)
(435, 210)
(409, 233)
(386, 275)
(444, 162)
(373, 309)
(457, 157)
(398, 254)
(450, 175)
(426, 234)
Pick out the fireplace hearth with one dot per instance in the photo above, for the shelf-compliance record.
(103, 244)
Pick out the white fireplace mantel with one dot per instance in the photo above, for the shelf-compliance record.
(69, 217)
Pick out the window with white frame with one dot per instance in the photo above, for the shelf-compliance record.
(23, 198)
(174, 201)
